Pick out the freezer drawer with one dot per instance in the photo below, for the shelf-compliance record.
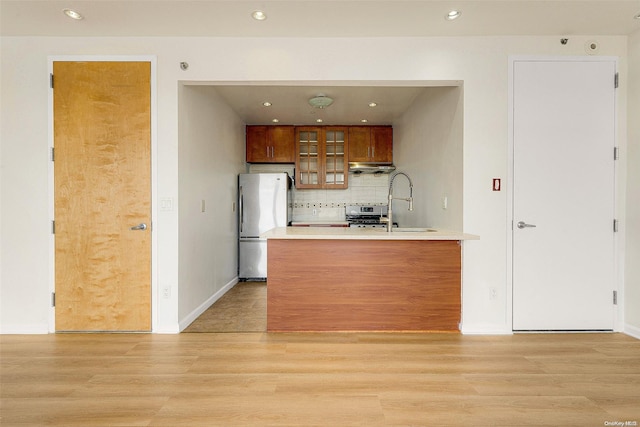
(253, 259)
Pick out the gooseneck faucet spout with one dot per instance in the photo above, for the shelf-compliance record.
(407, 199)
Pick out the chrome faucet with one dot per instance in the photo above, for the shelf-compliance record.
(407, 199)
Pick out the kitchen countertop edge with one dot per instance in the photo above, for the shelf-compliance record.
(346, 233)
(319, 223)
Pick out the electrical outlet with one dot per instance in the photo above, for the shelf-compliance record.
(445, 202)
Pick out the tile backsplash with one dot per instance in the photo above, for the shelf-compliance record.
(328, 205)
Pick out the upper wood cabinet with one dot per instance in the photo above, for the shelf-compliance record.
(371, 144)
(270, 144)
(321, 157)
(336, 164)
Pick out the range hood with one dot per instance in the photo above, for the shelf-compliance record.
(377, 168)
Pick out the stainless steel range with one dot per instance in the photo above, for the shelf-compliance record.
(373, 216)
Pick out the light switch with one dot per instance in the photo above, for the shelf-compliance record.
(166, 204)
(496, 184)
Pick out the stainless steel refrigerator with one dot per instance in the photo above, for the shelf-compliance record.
(263, 204)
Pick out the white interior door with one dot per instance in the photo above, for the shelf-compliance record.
(563, 186)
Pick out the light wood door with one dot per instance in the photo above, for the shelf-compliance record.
(102, 168)
(563, 195)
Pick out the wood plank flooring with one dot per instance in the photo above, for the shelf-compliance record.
(242, 309)
(260, 379)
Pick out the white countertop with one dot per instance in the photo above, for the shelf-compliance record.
(346, 233)
(320, 223)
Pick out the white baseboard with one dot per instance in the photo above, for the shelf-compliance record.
(35, 329)
(182, 325)
(484, 330)
(166, 330)
(631, 330)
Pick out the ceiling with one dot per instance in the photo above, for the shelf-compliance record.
(351, 103)
(319, 18)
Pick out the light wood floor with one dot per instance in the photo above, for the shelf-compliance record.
(242, 309)
(261, 379)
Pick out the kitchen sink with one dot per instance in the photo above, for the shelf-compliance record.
(412, 230)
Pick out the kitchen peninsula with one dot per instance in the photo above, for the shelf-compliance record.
(352, 279)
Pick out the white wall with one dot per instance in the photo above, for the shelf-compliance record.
(428, 146)
(632, 223)
(481, 63)
(210, 156)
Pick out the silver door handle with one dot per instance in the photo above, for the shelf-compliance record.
(523, 224)
(142, 226)
(241, 209)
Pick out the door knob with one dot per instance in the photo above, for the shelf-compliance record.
(523, 224)
(142, 226)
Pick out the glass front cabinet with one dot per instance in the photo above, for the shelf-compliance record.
(320, 157)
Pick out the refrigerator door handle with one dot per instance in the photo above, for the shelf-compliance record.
(241, 209)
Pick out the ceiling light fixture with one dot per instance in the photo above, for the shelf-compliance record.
(258, 15)
(275, 121)
(320, 101)
(373, 104)
(319, 120)
(73, 14)
(453, 14)
(266, 104)
(364, 121)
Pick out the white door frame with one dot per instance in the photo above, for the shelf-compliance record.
(154, 168)
(618, 240)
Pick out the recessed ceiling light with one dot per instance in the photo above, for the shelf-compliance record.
(72, 14)
(453, 14)
(275, 121)
(319, 120)
(373, 104)
(266, 104)
(364, 121)
(258, 15)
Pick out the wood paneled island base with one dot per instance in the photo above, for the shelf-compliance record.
(363, 285)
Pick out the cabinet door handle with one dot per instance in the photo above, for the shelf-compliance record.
(373, 151)
(273, 150)
(267, 151)
(368, 152)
